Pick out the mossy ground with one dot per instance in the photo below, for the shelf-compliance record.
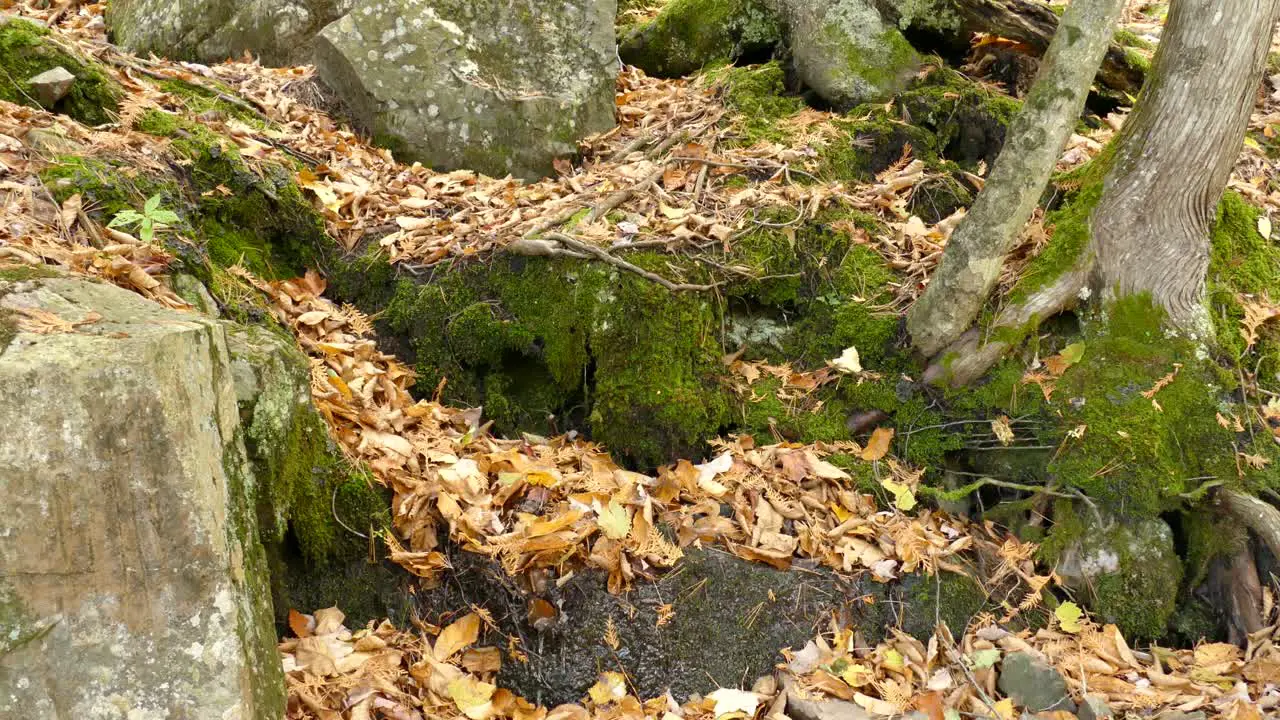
(27, 49)
(231, 213)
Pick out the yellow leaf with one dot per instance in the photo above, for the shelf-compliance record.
(614, 520)
(903, 498)
(611, 687)
(457, 636)
(734, 702)
(857, 675)
(1005, 708)
(542, 477)
(878, 446)
(1264, 226)
(894, 661)
(472, 697)
(1069, 614)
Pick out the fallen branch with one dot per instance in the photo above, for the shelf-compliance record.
(604, 256)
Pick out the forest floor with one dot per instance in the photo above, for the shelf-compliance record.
(666, 166)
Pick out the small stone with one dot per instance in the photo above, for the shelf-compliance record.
(51, 86)
(1032, 684)
(1094, 708)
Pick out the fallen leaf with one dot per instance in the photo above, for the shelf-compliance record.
(1069, 614)
(734, 703)
(458, 636)
(848, 362)
(614, 520)
(878, 446)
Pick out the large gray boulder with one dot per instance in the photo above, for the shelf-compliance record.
(132, 581)
(491, 85)
(279, 32)
(845, 52)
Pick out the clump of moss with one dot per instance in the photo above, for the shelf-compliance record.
(26, 50)
(689, 35)
(969, 120)
(1127, 569)
(759, 98)
(546, 345)
(1242, 261)
(940, 116)
(201, 100)
(1140, 452)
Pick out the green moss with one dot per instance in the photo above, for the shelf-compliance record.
(942, 115)
(27, 49)
(1135, 455)
(1070, 226)
(759, 100)
(1241, 260)
(688, 35)
(546, 346)
(200, 100)
(968, 120)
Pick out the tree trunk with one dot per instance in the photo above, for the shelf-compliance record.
(1151, 228)
(975, 254)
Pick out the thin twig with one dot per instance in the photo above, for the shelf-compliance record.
(604, 256)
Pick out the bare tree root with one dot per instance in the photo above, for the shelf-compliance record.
(969, 358)
(1259, 516)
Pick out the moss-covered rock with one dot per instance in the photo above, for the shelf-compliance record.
(313, 506)
(27, 49)
(689, 35)
(548, 345)
(845, 52)
(231, 213)
(1127, 570)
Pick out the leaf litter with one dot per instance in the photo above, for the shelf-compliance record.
(664, 169)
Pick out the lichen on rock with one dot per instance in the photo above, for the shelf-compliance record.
(436, 81)
(845, 52)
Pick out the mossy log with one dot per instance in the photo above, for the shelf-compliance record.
(1027, 21)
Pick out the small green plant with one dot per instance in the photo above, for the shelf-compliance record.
(151, 217)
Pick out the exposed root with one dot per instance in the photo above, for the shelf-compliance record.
(1259, 516)
(969, 358)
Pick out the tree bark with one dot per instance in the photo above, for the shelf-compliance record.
(1150, 230)
(975, 254)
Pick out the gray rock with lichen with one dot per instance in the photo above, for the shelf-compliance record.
(1034, 684)
(1127, 571)
(276, 31)
(129, 546)
(845, 52)
(491, 85)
